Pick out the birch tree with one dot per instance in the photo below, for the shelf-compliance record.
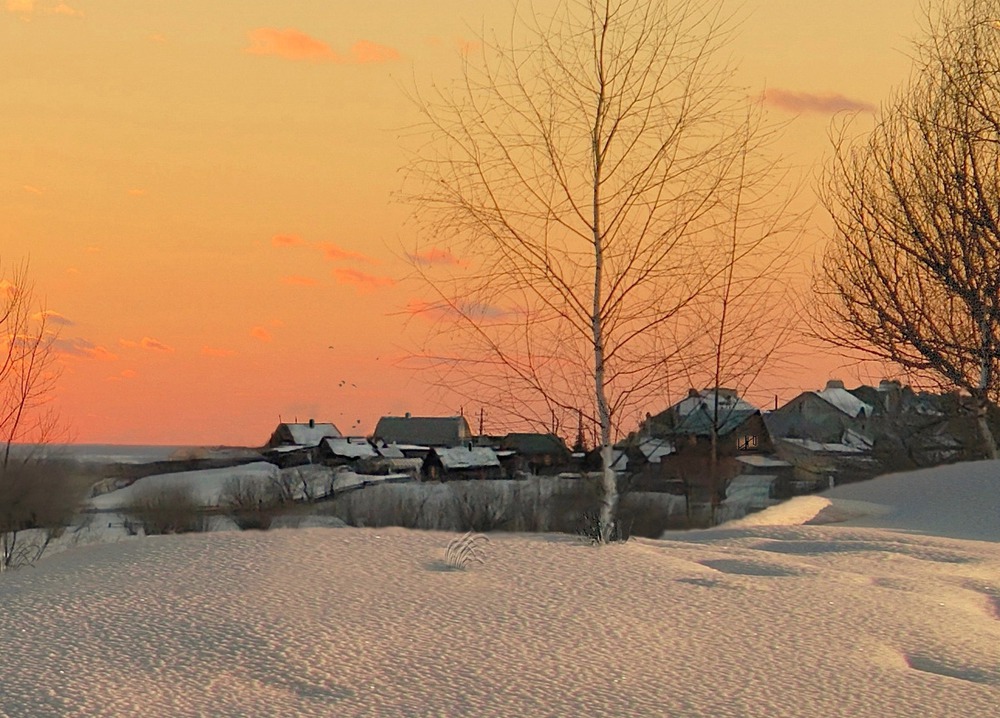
(912, 272)
(570, 192)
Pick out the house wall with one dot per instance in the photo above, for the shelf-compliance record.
(809, 417)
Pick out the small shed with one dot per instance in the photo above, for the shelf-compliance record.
(462, 462)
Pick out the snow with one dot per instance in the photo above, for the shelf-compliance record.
(462, 457)
(833, 448)
(893, 612)
(759, 461)
(207, 485)
(311, 435)
(728, 403)
(845, 401)
(350, 449)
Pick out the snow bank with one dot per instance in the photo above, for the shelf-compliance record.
(958, 501)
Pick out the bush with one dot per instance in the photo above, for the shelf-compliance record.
(38, 496)
(253, 503)
(166, 510)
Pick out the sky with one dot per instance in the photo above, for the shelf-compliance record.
(206, 193)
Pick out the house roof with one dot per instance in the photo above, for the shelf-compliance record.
(656, 449)
(423, 430)
(309, 433)
(462, 457)
(729, 402)
(845, 401)
(349, 449)
(529, 443)
(700, 423)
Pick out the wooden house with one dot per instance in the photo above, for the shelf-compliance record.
(428, 431)
(461, 462)
(307, 434)
(539, 454)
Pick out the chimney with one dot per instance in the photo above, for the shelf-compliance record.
(406, 415)
(312, 423)
(835, 384)
(694, 393)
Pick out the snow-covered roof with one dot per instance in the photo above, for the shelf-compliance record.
(310, 434)
(729, 402)
(762, 462)
(656, 449)
(844, 401)
(461, 457)
(810, 445)
(390, 452)
(349, 449)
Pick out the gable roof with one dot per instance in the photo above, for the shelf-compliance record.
(349, 449)
(462, 457)
(307, 433)
(531, 443)
(423, 430)
(701, 422)
(844, 401)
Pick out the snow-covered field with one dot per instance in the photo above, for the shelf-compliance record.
(894, 613)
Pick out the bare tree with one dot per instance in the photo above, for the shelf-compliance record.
(571, 187)
(912, 272)
(35, 494)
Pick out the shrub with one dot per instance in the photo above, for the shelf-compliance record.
(253, 503)
(38, 500)
(166, 510)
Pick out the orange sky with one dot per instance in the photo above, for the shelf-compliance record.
(205, 192)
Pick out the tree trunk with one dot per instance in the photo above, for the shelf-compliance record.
(989, 443)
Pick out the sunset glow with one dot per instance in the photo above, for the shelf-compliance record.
(205, 193)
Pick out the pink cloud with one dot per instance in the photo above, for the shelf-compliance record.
(135, 192)
(332, 251)
(287, 240)
(362, 280)
(157, 37)
(216, 352)
(434, 256)
(261, 334)
(800, 102)
(82, 349)
(292, 44)
(299, 281)
(289, 44)
(31, 189)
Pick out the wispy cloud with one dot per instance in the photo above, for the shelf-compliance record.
(802, 102)
(147, 343)
(136, 192)
(216, 352)
(82, 348)
(157, 37)
(437, 311)
(52, 317)
(261, 334)
(434, 256)
(292, 44)
(124, 375)
(334, 252)
(361, 280)
(287, 240)
(154, 345)
(364, 52)
(64, 9)
(299, 281)
(31, 189)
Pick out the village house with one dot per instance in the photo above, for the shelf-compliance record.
(341, 451)
(422, 431)
(539, 454)
(461, 462)
(822, 416)
(737, 424)
(307, 434)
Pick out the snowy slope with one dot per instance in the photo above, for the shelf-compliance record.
(781, 620)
